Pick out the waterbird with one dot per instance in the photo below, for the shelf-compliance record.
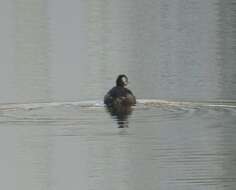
(120, 95)
(119, 101)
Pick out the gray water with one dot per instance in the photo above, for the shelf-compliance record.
(59, 58)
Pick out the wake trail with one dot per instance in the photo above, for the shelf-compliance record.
(140, 102)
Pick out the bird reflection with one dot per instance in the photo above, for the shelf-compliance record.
(121, 114)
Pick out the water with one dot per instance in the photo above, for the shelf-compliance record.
(59, 58)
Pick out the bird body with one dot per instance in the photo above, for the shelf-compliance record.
(120, 95)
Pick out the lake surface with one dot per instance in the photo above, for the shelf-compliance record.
(59, 58)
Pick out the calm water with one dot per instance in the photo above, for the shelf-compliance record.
(59, 58)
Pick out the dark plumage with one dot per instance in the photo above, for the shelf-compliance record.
(120, 95)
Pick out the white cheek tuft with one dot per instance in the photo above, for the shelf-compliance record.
(124, 80)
